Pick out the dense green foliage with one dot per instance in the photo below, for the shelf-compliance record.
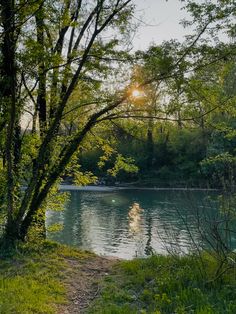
(176, 155)
(179, 157)
(162, 285)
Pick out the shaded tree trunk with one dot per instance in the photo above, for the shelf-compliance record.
(41, 98)
(150, 146)
(9, 102)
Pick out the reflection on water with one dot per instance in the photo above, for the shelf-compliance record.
(135, 218)
(129, 223)
(135, 227)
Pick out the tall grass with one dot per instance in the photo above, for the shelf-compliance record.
(165, 284)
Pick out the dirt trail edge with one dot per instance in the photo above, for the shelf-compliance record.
(83, 282)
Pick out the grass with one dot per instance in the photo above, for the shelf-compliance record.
(31, 278)
(162, 285)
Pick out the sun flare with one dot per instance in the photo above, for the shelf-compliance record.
(136, 93)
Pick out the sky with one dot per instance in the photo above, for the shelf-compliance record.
(160, 22)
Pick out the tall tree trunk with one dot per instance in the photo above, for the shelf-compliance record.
(38, 223)
(10, 104)
(150, 145)
(34, 120)
(41, 99)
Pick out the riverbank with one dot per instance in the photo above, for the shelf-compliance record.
(166, 285)
(149, 183)
(104, 188)
(55, 279)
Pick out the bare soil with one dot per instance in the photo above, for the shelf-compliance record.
(83, 282)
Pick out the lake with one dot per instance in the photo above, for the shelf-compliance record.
(126, 223)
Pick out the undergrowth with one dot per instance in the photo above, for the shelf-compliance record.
(162, 285)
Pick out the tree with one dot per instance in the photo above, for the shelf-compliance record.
(48, 50)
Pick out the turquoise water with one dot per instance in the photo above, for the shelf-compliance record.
(129, 223)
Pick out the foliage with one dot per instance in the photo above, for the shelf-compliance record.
(197, 101)
(122, 163)
(73, 170)
(176, 153)
(55, 66)
(221, 168)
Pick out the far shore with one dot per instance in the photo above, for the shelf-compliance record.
(102, 188)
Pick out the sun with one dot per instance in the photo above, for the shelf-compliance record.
(136, 93)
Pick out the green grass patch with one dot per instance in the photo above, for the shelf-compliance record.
(161, 284)
(31, 278)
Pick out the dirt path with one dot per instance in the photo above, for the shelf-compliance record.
(83, 282)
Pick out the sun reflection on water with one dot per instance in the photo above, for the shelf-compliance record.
(135, 218)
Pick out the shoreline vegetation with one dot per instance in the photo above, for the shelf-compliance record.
(51, 278)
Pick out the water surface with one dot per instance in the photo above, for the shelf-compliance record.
(106, 222)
